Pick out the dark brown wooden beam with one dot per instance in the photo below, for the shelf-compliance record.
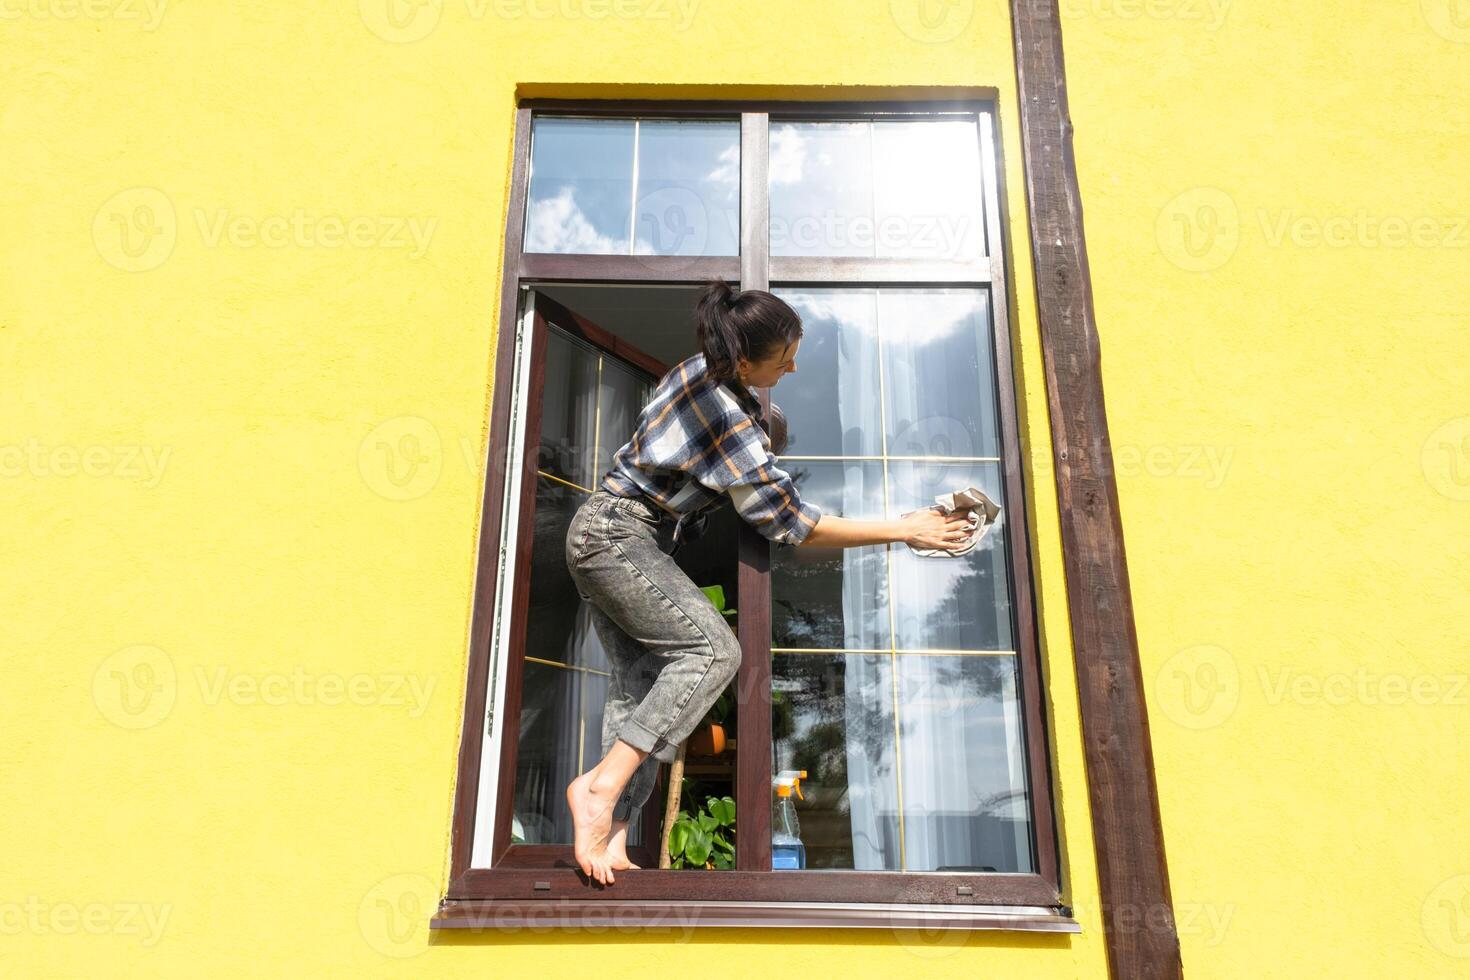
(1137, 910)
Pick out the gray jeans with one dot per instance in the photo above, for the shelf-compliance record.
(672, 653)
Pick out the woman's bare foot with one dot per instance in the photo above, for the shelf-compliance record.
(617, 846)
(592, 805)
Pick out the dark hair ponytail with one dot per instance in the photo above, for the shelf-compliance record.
(731, 324)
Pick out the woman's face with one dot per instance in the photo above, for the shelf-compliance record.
(766, 372)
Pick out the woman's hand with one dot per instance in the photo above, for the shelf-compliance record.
(929, 528)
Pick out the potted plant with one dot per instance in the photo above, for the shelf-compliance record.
(704, 839)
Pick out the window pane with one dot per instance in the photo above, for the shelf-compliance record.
(833, 717)
(587, 174)
(882, 189)
(833, 598)
(568, 410)
(964, 785)
(622, 395)
(581, 188)
(951, 603)
(565, 683)
(821, 189)
(830, 402)
(688, 188)
(926, 185)
(938, 375)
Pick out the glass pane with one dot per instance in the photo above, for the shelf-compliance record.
(622, 395)
(964, 785)
(832, 715)
(821, 180)
(927, 190)
(568, 410)
(833, 598)
(688, 187)
(560, 737)
(938, 376)
(566, 670)
(950, 603)
(581, 189)
(830, 402)
(882, 189)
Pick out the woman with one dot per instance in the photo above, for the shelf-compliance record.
(702, 436)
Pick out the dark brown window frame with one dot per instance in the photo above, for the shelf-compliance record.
(505, 894)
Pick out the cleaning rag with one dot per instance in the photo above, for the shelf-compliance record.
(980, 516)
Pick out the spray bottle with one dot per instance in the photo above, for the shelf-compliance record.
(787, 851)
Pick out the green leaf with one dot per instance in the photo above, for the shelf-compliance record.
(721, 844)
(723, 810)
(679, 837)
(724, 861)
(707, 822)
(699, 847)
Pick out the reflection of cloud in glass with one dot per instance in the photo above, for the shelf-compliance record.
(930, 316)
(558, 224)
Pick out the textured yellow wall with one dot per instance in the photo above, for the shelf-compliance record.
(248, 300)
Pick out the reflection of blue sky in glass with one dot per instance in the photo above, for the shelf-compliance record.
(582, 187)
(880, 189)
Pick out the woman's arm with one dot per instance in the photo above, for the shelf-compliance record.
(926, 528)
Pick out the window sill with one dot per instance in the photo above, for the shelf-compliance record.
(600, 914)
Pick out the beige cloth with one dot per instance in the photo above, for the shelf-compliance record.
(981, 514)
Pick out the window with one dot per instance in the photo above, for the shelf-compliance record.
(908, 688)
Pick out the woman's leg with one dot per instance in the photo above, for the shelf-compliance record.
(681, 646)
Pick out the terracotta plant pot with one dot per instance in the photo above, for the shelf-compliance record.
(708, 740)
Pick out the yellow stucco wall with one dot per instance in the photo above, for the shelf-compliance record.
(241, 444)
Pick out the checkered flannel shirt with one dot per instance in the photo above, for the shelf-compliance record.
(698, 440)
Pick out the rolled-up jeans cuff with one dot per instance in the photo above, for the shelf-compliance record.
(644, 740)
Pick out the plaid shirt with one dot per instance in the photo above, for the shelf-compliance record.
(696, 441)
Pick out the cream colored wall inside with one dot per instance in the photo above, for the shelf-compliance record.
(247, 314)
